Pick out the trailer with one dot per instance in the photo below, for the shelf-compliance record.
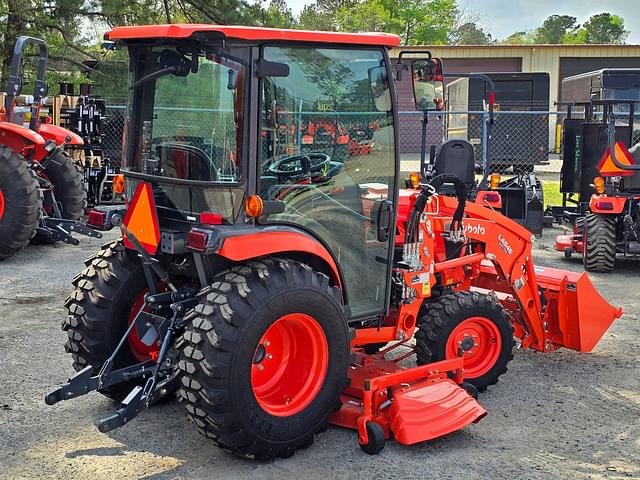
(524, 139)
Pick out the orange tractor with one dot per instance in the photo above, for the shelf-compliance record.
(42, 195)
(275, 306)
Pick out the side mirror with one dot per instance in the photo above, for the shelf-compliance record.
(428, 85)
(380, 89)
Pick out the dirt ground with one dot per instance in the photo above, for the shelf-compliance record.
(558, 415)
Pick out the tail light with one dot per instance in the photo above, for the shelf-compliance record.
(118, 184)
(197, 239)
(211, 218)
(494, 181)
(598, 185)
(414, 180)
(604, 205)
(96, 219)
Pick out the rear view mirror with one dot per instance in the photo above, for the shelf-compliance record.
(428, 85)
(380, 91)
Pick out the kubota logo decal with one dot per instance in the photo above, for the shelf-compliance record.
(476, 229)
(504, 244)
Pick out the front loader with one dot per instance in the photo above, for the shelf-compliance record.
(277, 303)
(42, 195)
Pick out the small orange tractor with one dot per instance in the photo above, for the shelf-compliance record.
(275, 306)
(42, 195)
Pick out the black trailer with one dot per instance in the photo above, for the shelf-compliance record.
(605, 84)
(520, 140)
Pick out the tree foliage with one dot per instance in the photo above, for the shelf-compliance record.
(605, 28)
(555, 28)
(600, 28)
(470, 34)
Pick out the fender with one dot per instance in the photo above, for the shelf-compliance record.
(253, 244)
(58, 134)
(22, 140)
(607, 204)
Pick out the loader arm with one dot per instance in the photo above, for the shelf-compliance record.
(549, 306)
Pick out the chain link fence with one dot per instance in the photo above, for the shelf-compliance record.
(519, 140)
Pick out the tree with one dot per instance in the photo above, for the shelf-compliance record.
(555, 28)
(520, 38)
(605, 28)
(470, 34)
(367, 16)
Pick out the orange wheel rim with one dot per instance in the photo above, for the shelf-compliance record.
(1, 204)
(289, 365)
(140, 350)
(481, 342)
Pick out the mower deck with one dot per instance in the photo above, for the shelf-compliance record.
(413, 404)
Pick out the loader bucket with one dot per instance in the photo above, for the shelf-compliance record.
(582, 314)
(430, 410)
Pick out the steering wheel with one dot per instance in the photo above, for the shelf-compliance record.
(295, 166)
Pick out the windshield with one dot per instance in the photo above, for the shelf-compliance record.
(185, 125)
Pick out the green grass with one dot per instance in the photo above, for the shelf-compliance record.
(552, 195)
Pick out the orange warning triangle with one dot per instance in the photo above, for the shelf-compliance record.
(142, 218)
(607, 168)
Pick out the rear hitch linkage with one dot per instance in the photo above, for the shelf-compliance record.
(150, 327)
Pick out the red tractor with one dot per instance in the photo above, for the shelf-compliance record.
(275, 307)
(604, 170)
(42, 195)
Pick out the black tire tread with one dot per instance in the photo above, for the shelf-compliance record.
(87, 323)
(68, 180)
(214, 326)
(435, 317)
(23, 203)
(599, 243)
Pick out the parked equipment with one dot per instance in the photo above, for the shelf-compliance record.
(601, 169)
(42, 195)
(273, 303)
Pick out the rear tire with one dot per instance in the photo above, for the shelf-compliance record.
(226, 341)
(457, 317)
(20, 203)
(99, 310)
(599, 242)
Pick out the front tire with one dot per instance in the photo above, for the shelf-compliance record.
(599, 242)
(265, 358)
(475, 322)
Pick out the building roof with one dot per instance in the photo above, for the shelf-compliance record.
(181, 31)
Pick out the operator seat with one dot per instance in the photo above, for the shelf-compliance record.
(456, 157)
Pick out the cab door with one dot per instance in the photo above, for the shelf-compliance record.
(328, 152)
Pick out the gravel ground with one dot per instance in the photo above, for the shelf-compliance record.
(558, 415)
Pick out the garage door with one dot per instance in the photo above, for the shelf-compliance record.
(410, 124)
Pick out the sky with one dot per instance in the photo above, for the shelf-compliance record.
(504, 17)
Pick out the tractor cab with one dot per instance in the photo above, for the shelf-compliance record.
(218, 119)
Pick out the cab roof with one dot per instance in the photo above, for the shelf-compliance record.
(256, 34)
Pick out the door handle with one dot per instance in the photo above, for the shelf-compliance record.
(383, 220)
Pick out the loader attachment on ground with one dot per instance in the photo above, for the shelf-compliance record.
(581, 314)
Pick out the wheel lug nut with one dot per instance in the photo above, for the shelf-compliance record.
(269, 356)
(267, 343)
(260, 367)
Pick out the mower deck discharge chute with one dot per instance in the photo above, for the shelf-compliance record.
(278, 289)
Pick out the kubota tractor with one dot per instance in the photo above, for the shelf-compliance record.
(601, 168)
(275, 306)
(42, 195)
